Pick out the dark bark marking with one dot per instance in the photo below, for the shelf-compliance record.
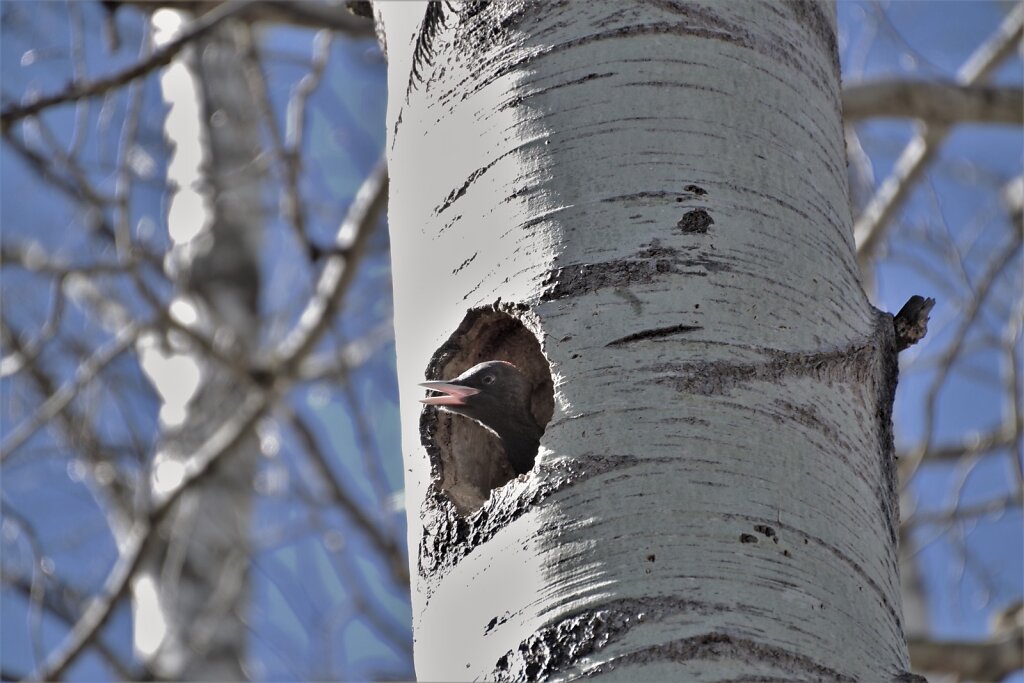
(812, 15)
(643, 268)
(575, 280)
(448, 536)
(459, 192)
(558, 646)
(449, 224)
(839, 555)
(520, 99)
(766, 531)
(689, 192)
(718, 646)
(720, 377)
(695, 222)
(675, 84)
(657, 333)
(910, 677)
(466, 262)
(748, 538)
(494, 622)
(423, 53)
(809, 416)
(887, 370)
(728, 33)
(634, 196)
(716, 29)
(472, 291)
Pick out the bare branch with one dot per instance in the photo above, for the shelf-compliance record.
(140, 538)
(96, 615)
(56, 601)
(390, 551)
(984, 287)
(288, 147)
(988, 660)
(933, 103)
(44, 168)
(33, 258)
(77, 91)
(972, 445)
(53, 405)
(114, 493)
(963, 513)
(870, 225)
(310, 14)
(123, 185)
(338, 272)
(313, 14)
(338, 362)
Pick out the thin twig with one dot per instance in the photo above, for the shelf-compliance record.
(123, 186)
(76, 91)
(389, 550)
(965, 512)
(952, 352)
(59, 400)
(1003, 436)
(338, 273)
(56, 602)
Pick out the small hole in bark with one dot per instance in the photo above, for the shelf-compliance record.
(695, 222)
(748, 538)
(650, 558)
(467, 459)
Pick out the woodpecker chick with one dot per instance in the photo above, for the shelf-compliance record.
(497, 395)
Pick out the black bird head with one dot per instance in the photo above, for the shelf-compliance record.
(497, 395)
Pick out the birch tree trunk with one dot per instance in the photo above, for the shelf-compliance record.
(190, 595)
(655, 196)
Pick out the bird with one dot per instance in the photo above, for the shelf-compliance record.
(496, 394)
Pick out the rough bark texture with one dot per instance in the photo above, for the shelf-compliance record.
(657, 192)
(191, 595)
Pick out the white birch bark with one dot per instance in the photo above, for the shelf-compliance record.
(658, 192)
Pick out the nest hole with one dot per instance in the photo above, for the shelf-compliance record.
(467, 460)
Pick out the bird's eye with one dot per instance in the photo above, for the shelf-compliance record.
(488, 379)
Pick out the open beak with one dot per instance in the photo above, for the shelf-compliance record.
(455, 394)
